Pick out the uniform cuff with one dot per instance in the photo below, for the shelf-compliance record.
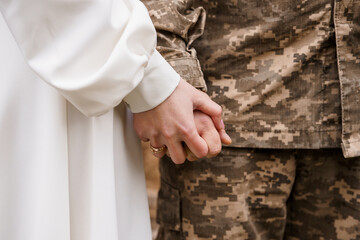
(190, 70)
(159, 81)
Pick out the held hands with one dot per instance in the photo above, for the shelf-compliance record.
(208, 132)
(213, 137)
(175, 124)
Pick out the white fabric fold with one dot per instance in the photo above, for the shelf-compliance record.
(94, 52)
(63, 175)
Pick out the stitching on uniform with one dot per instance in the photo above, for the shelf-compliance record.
(338, 45)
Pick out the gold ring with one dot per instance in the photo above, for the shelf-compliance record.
(157, 150)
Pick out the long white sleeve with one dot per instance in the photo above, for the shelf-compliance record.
(95, 52)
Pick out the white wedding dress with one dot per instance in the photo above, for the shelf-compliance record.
(63, 175)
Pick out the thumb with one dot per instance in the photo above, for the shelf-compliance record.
(225, 138)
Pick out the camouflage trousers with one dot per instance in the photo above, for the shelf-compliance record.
(261, 194)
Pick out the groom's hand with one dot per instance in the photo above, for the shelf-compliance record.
(212, 136)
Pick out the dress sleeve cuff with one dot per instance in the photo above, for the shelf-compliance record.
(159, 81)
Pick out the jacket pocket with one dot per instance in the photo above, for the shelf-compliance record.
(168, 208)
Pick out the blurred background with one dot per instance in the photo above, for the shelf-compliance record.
(152, 183)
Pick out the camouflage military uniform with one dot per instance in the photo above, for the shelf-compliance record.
(261, 194)
(288, 78)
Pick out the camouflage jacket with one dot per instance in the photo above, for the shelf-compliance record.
(287, 73)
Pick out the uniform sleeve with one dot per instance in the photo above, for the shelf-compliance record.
(96, 53)
(178, 25)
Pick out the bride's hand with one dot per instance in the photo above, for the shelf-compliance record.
(172, 123)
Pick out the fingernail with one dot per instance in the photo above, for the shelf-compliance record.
(222, 124)
(230, 141)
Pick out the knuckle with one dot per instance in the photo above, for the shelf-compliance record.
(179, 161)
(167, 134)
(187, 131)
(201, 154)
(218, 110)
(177, 155)
(140, 132)
(155, 134)
(154, 137)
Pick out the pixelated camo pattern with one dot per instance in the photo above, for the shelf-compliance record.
(285, 72)
(261, 194)
(178, 26)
